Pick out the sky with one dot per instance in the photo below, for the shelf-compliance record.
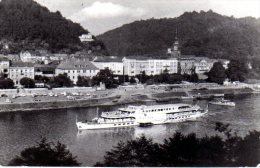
(99, 16)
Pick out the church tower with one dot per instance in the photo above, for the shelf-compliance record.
(174, 51)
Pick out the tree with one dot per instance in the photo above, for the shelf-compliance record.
(175, 78)
(42, 78)
(132, 80)
(45, 154)
(194, 78)
(217, 73)
(6, 83)
(142, 77)
(83, 81)
(188, 150)
(27, 82)
(237, 70)
(62, 80)
(139, 152)
(105, 76)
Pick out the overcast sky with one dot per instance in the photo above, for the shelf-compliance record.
(99, 16)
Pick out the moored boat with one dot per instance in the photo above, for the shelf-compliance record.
(223, 102)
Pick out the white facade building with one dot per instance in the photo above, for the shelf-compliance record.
(115, 64)
(19, 70)
(134, 67)
(76, 67)
(32, 56)
(86, 37)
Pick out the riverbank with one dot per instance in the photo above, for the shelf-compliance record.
(86, 97)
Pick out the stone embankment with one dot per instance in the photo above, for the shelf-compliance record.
(43, 99)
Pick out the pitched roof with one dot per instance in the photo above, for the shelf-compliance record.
(2, 58)
(76, 64)
(108, 59)
(40, 67)
(21, 64)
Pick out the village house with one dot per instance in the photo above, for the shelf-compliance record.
(76, 67)
(113, 63)
(19, 70)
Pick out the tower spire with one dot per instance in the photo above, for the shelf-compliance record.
(176, 33)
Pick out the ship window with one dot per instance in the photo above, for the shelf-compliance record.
(119, 124)
(114, 124)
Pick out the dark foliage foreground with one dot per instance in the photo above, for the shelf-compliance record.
(45, 154)
(188, 150)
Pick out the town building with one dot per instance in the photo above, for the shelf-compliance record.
(135, 66)
(32, 56)
(174, 51)
(19, 70)
(86, 37)
(113, 63)
(76, 67)
(57, 57)
(203, 64)
(44, 70)
(4, 67)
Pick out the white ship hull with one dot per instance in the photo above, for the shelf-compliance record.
(144, 116)
(93, 126)
(223, 104)
(174, 120)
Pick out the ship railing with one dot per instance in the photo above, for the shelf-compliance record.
(114, 114)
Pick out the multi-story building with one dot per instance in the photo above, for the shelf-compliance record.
(45, 70)
(4, 67)
(19, 70)
(135, 66)
(203, 64)
(76, 67)
(115, 64)
(86, 37)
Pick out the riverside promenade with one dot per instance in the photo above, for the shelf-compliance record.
(12, 100)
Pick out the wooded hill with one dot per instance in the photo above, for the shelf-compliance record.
(25, 24)
(204, 33)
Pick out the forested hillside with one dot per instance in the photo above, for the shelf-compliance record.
(24, 24)
(204, 33)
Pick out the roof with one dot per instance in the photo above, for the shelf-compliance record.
(3, 58)
(108, 59)
(144, 57)
(77, 64)
(40, 67)
(21, 64)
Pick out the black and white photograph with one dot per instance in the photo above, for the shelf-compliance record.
(130, 83)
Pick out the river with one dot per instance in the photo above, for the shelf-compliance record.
(19, 130)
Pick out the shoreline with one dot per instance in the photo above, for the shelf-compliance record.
(119, 97)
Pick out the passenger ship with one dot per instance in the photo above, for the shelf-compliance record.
(144, 115)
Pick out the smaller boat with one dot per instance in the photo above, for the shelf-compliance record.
(223, 102)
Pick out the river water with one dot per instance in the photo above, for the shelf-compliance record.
(23, 129)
